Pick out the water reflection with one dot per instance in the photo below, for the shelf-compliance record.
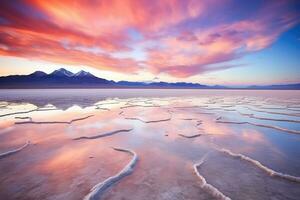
(169, 132)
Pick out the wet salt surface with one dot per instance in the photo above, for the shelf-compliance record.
(60, 144)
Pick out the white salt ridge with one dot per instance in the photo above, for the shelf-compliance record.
(128, 106)
(144, 106)
(99, 108)
(226, 106)
(276, 113)
(189, 136)
(261, 166)
(7, 153)
(270, 119)
(205, 113)
(148, 121)
(218, 120)
(103, 135)
(28, 111)
(187, 107)
(54, 122)
(206, 186)
(279, 108)
(98, 190)
(106, 103)
(189, 119)
(272, 108)
(16, 113)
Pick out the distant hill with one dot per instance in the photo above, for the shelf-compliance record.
(161, 84)
(60, 78)
(63, 78)
(276, 87)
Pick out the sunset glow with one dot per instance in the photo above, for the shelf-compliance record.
(150, 99)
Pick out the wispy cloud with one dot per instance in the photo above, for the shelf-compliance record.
(179, 38)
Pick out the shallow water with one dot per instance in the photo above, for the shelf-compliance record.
(189, 144)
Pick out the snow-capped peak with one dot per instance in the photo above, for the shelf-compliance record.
(62, 72)
(83, 73)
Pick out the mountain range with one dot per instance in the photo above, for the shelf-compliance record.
(63, 78)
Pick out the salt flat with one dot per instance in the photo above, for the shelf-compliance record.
(149, 144)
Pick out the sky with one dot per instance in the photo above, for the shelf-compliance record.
(224, 42)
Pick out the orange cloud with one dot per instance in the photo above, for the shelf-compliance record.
(101, 17)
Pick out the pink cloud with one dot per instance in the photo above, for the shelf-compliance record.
(184, 39)
(101, 17)
(193, 53)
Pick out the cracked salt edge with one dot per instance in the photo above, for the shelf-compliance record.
(55, 122)
(206, 186)
(256, 163)
(98, 190)
(218, 120)
(103, 135)
(7, 153)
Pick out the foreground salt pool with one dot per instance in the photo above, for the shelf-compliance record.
(149, 144)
